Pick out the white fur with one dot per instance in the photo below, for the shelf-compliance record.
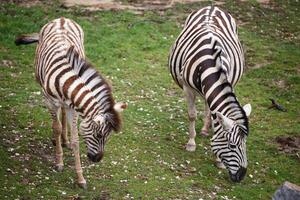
(119, 107)
(225, 121)
(247, 108)
(99, 119)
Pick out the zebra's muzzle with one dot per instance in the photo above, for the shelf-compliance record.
(95, 157)
(239, 175)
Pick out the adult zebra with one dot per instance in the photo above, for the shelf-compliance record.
(71, 85)
(207, 59)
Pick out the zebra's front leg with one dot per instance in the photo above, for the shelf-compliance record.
(72, 119)
(56, 127)
(192, 114)
(207, 121)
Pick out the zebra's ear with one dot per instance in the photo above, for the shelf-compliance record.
(224, 121)
(99, 119)
(247, 108)
(119, 107)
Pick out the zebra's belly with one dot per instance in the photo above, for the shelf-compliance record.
(52, 101)
(55, 97)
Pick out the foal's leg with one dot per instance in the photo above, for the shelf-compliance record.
(192, 113)
(64, 131)
(65, 139)
(72, 120)
(56, 127)
(207, 121)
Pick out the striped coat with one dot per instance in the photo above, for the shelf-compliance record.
(64, 74)
(207, 59)
(72, 86)
(207, 27)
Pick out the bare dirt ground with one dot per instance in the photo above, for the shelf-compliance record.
(137, 5)
(289, 145)
(134, 5)
(25, 3)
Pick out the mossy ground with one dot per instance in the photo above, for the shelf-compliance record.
(147, 159)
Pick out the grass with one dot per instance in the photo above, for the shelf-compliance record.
(147, 159)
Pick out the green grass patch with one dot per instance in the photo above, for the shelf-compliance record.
(147, 159)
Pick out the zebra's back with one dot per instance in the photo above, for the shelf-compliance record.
(207, 44)
(55, 38)
(64, 74)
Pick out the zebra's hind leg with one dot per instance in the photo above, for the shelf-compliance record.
(56, 127)
(207, 121)
(72, 120)
(192, 113)
(64, 136)
(65, 139)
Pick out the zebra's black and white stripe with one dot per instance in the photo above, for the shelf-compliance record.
(71, 83)
(207, 59)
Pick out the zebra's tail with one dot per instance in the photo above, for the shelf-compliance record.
(27, 39)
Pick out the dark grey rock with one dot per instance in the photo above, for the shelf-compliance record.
(288, 191)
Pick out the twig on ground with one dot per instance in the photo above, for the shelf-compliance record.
(277, 106)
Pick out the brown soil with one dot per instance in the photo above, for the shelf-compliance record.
(261, 1)
(289, 145)
(25, 3)
(134, 5)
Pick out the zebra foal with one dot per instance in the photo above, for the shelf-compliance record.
(72, 86)
(207, 59)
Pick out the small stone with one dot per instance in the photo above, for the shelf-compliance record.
(288, 191)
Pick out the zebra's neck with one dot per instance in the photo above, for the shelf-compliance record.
(92, 107)
(93, 93)
(227, 105)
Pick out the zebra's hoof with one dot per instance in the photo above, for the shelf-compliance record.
(204, 133)
(59, 168)
(83, 185)
(190, 147)
(220, 165)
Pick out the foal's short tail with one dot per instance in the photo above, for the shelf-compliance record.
(27, 39)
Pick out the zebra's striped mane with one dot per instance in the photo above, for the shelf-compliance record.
(97, 84)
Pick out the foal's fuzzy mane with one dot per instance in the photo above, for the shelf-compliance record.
(94, 80)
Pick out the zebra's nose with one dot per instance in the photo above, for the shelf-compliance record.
(95, 157)
(239, 175)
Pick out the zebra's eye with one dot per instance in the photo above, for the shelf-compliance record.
(99, 136)
(232, 146)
